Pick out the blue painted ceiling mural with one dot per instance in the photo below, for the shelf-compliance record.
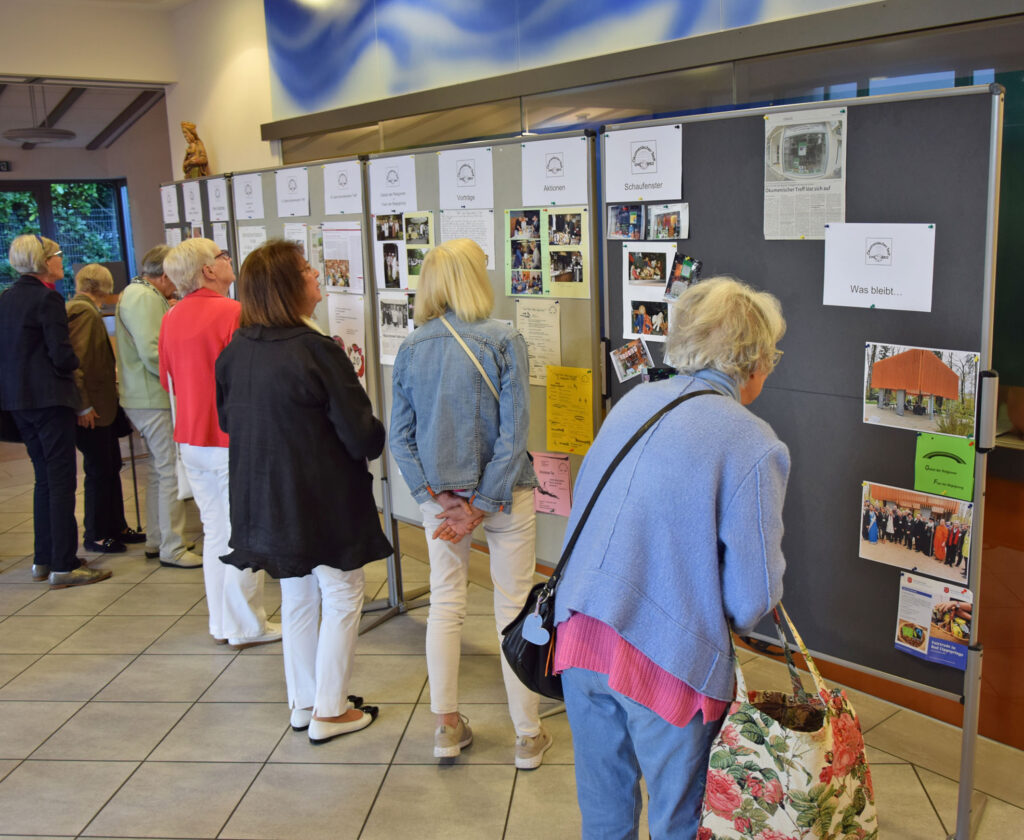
(332, 53)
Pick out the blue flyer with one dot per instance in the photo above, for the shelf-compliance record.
(934, 620)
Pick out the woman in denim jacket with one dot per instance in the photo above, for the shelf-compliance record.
(460, 442)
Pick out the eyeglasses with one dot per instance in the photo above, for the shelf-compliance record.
(57, 254)
(223, 255)
(777, 357)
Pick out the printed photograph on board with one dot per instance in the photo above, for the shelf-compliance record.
(647, 318)
(524, 224)
(648, 268)
(625, 221)
(415, 257)
(915, 531)
(665, 221)
(526, 255)
(417, 228)
(684, 273)
(564, 228)
(921, 389)
(392, 271)
(388, 226)
(631, 359)
(566, 267)
(527, 283)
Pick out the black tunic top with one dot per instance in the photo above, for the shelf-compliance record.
(301, 428)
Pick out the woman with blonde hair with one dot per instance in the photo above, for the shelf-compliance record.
(301, 429)
(459, 421)
(106, 530)
(643, 614)
(37, 386)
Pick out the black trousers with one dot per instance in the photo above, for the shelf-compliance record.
(49, 435)
(104, 501)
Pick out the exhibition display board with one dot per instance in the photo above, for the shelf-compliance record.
(541, 265)
(873, 221)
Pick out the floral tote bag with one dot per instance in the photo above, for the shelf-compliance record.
(789, 766)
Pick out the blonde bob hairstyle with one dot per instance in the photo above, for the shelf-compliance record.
(28, 253)
(724, 324)
(454, 276)
(184, 263)
(94, 279)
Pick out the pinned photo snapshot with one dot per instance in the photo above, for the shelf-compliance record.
(916, 531)
(668, 221)
(934, 620)
(631, 359)
(419, 228)
(647, 264)
(388, 227)
(566, 267)
(684, 273)
(625, 221)
(524, 224)
(565, 228)
(646, 319)
(922, 389)
(527, 282)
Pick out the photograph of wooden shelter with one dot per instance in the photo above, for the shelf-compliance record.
(920, 388)
(915, 531)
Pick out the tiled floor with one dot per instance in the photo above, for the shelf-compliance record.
(119, 717)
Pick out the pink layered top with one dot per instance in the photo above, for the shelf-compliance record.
(585, 642)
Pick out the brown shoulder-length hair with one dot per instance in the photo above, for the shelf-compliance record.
(271, 287)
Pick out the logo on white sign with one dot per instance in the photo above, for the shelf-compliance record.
(877, 251)
(554, 165)
(465, 173)
(643, 157)
(391, 178)
(292, 185)
(248, 189)
(342, 179)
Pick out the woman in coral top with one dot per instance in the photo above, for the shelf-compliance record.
(644, 612)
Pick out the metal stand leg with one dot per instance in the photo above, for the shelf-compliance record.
(969, 808)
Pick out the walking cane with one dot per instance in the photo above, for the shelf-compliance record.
(135, 480)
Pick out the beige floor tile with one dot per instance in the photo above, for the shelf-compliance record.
(189, 634)
(480, 679)
(225, 732)
(374, 745)
(14, 596)
(388, 679)
(19, 570)
(249, 679)
(36, 634)
(200, 609)
(935, 745)
(166, 678)
(479, 601)
(116, 634)
(78, 600)
(9, 519)
(58, 797)
(112, 731)
(544, 804)
(6, 766)
(280, 803)
(158, 599)
(1000, 821)
(24, 726)
(174, 800)
(411, 799)
(15, 542)
(877, 756)
(904, 810)
(169, 574)
(126, 568)
(65, 677)
(12, 664)
(944, 794)
(21, 503)
(404, 634)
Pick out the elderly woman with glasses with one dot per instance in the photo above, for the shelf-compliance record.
(644, 610)
(37, 385)
(192, 336)
(302, 507)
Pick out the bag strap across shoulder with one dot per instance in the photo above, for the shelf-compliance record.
(571, 544)
(472, 357)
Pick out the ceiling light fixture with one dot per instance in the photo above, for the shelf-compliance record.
(38, 133)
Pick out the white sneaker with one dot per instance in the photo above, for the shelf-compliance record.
(300, 719)
(186, 560)
(530, 751)
(449, 741)
(271, 633)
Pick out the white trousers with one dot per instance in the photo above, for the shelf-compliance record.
(511, 538)
(318, 665)
(165, 513)
(234, 596)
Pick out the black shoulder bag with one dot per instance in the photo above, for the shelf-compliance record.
(528, 642)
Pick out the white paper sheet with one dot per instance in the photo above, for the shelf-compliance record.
(804, 172)
(347, 326)
(394, 322)
(220, 235)
(292, 192)
(540, 324)
(172, 236)
(466, 178)
(555, 171)
(644, 164)
(248, 196)
(477, 225)
(193, 203)
(169, 202)
(392, 184)
(879, 266)
(343, 188)
(217, 199)
(297, 232)
(250, 237)
(343, 256)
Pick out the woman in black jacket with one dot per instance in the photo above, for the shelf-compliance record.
(301, 429)
(37, 386)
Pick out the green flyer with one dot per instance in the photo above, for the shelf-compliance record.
(945, 466)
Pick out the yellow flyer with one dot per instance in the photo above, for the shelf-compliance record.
(570, 409)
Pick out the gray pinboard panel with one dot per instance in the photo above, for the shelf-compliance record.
(923, 161)
(578, 321)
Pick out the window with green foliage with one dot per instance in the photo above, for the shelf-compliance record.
(19, 213)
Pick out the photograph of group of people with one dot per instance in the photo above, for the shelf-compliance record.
(648, 318)
(527, 282)
(566, 267)
(392, 267)
(625, 221)
(524, 224)
(337, 273)
(389, 227)
(648, 268)
(920, 388)
(417, 229)
(526, 254)
(565, 228)
(914, 530)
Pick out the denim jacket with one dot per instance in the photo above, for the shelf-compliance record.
(447, 430)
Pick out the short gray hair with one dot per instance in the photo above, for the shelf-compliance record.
(184, 263)
(724, 324)
(28, 253)
(94, 279)
(153, 262)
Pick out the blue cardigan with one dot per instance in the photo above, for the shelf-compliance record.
(685, 539)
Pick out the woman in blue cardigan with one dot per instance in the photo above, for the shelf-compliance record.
(652, 590)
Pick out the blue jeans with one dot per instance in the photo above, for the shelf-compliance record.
(616, 740)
